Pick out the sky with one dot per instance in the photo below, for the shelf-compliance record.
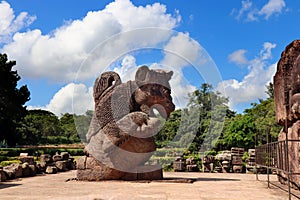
(61, 47)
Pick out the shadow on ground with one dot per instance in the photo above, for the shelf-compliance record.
(8, 185)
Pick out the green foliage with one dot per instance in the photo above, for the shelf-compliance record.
(199, 125)
(38, 126)
(6, 163)
(3, 158)
(12, 101)
(82, 124)
(257, 125)
(44, 127)
(7, 153)
(240, 132)
(169, 129)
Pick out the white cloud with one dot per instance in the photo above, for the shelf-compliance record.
(266, 52)
(252, 87)
(181, 51)
(72, 98)
(57, 56)
(250, 12)
(9, 23)
(246, 6)
(271, 8)
(127, 69)
(238, 57)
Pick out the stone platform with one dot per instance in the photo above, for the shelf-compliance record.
(207, 186)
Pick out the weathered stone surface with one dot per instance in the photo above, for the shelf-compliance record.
(62, 165)
(46, 158)
(145, 172)
(2, 175)
(121, 133)
(237, 160)
(57, 158)
(27, 159)
(286, 71)
(237, 168)
(191, 165)
(287, 103)
(33, 170)
(89, 169)
(51, 170)
(224, 155)
(13, 171)
(65, 155)
(294, 157)
(26, 171)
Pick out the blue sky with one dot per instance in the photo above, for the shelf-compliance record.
(62, 46)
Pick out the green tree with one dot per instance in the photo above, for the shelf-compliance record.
(12, 100)
(257, 125)
(240, 132)
(69, 129)
(168, 129)
(199, 124)
(39, 127)
(213, 110)
(82, 123)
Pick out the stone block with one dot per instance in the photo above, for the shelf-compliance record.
(2, 176)
(46, 158)
(145, 172)
(51, 170)
(81, 162)
(57, 158)
(13, 171)
(26, 171)
(65, 155)
(237, 168)
(237, 160)
(27, 159)
(33, 170)
(61, 165)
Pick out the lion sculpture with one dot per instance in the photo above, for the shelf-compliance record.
(121, 134)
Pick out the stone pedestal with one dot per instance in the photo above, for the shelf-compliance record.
(90, 169)
(293, 156)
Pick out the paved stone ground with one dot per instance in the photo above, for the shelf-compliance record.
(207, 186)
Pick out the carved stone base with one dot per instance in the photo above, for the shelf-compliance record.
(293, 156)
(89, 169)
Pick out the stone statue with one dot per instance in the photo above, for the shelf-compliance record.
(121, 134)
(287, 104)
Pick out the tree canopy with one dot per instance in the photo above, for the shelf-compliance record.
(208, 121)
(12, 100)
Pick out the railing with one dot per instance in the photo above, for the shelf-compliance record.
(276, 156)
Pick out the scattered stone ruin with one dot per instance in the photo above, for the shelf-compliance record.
(250, 166)
(236, 159)
(48, 164)
(179, 164)
(208, 163)
(191, 165)
(121, 134)
(230, 160)
(287, 104)
(224, 159)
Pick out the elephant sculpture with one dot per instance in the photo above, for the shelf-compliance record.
(121, 133)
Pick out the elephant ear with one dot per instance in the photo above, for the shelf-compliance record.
(169, 75)
(141, 75)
